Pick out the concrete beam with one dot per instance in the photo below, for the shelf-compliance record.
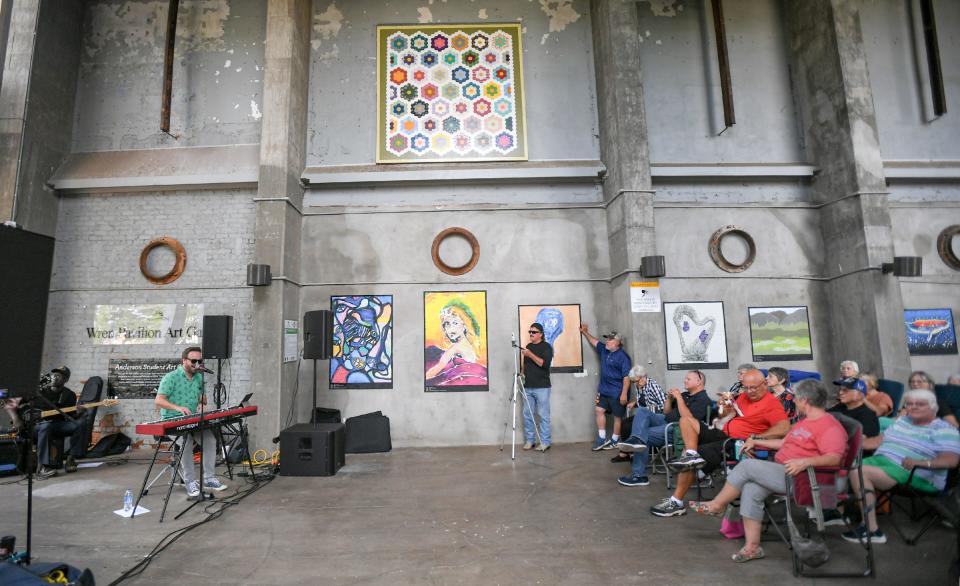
(282, 159)
(36, 108)
(627, 187)
(835, 103)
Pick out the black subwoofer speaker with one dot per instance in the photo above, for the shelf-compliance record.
(217, 336)
(318, 334)
(312, 449)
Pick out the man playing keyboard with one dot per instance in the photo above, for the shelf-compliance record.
(181, 393)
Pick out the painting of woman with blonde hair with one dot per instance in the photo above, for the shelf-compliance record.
(455, 345)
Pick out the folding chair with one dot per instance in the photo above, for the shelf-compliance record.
(930, 507)
(809, 494)
(673, 446)
(894, 389)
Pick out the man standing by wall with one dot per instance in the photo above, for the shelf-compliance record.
(614, 385)
(180, 393)
(537, 357)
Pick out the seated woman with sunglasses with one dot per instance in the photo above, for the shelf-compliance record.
(918, 440)
(181, 393)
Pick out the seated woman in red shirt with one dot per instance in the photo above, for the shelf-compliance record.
(816, 440)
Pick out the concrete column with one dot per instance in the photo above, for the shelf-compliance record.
(282, 159)
(838, 120)
(36, 108)
(627, 186)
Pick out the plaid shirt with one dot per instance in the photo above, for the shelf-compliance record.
(651, 396)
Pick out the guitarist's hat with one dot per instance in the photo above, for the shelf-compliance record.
(64, 371)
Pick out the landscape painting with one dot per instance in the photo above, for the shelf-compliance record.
(780, 333)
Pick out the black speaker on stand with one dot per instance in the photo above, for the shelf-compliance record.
(317, 344)
(218, 344)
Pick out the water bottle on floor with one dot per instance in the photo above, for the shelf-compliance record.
(128, 501)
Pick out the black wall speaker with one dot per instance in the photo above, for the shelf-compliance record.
(25, 261)
(312, 449)
(217, 336)
(318, 334)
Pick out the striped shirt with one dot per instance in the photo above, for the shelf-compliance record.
(651, 396)
(903, 439)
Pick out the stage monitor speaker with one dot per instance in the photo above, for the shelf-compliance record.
(217, 336)
(312, 449)
(318, 334)
(25, 262)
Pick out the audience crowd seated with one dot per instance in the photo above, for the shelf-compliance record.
(818, 439)
(878, 401)
(778, 379)
(755, 411)
(648, 428)
(921, 380)
(919, 441)
(853, 404)
(649, 395)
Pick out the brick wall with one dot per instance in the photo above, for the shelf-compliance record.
(96, 262)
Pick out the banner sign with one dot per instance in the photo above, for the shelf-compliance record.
(157, 323)
(137, 378)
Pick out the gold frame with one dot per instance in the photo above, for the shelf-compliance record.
(512, 28)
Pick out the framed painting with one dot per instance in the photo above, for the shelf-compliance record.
(930, 331)
(780, 333)
(696, 335)
(455, 354)
(450, 93)
(362, 353)
(561, 329)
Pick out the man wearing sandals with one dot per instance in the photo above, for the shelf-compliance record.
(754, 412)
(816, 440)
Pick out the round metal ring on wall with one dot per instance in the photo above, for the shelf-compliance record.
(178, 266)
(474, 247)
(945, 246)
(717, 255)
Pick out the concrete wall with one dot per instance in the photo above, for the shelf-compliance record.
(896, 56)
(96, 262)
(217, 75)
(682, 84)
(557, 65)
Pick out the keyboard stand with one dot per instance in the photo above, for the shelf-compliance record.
(175, 466)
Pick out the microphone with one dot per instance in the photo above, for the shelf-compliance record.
(204, 369)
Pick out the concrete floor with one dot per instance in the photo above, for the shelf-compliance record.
(422, 516)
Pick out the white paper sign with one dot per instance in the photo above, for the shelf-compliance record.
(291, 332)
(645, 297)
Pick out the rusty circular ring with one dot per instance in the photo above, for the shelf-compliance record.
(474, 256)
(717, 255)
(945, 246)
(181, 260)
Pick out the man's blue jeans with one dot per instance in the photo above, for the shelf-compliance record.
(48, 429)
(539, 401)
(649, 427)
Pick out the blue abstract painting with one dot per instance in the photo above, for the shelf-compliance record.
(930, 331)
(362, 356)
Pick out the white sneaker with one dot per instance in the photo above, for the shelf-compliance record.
(193, 489)
(214, 484)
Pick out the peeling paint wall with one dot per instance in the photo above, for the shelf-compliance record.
(557, 69)
(682, 83)
(217, 75)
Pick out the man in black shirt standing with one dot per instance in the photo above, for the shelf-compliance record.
(537, 357)
(56, 394)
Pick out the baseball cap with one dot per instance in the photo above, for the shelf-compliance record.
(614, 335)
(852, 382)
(62, 370)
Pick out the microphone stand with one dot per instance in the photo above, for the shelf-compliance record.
(28, 419)
(200, 429)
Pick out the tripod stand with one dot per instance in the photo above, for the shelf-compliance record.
(518, 389)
